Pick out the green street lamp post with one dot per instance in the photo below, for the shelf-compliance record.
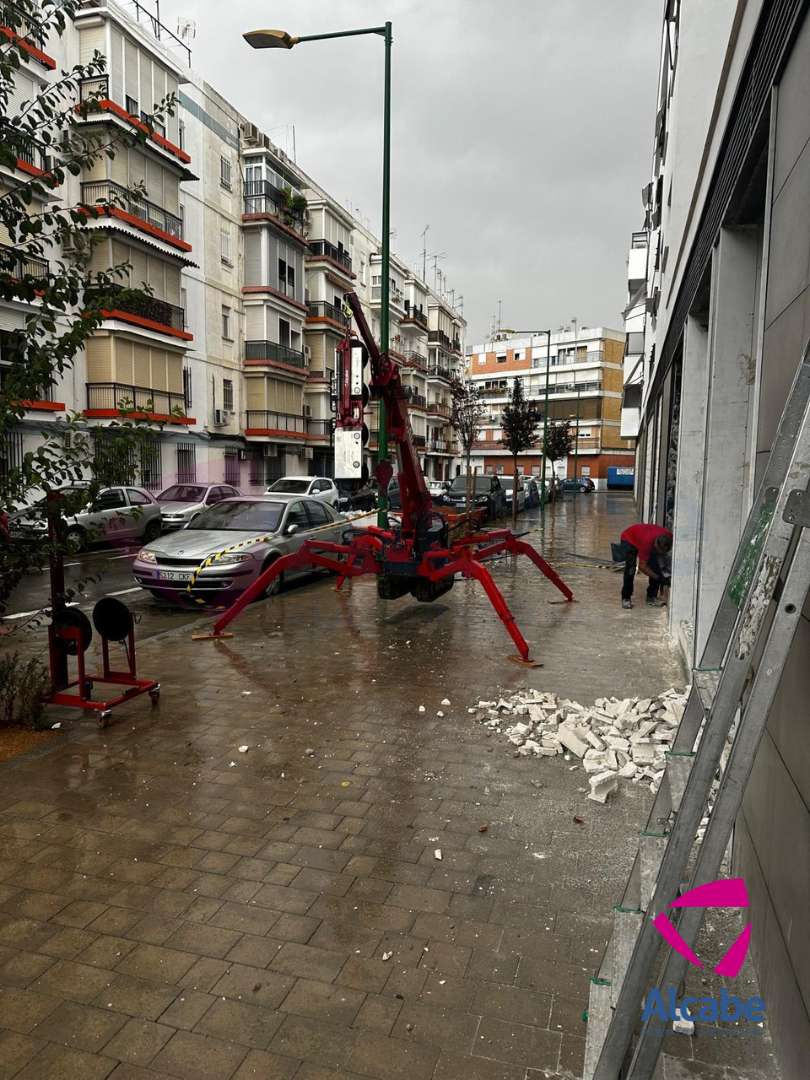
(280, 39)
(545, 421)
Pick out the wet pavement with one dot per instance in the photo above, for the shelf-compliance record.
(173, 907)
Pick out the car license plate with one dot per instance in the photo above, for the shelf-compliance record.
(174, 575)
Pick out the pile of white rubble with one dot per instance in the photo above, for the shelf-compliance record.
(613, 738)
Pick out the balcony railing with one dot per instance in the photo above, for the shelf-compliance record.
(419, 441)
(436, 408)
(146, 307)
(572, 388)
(439, 446)
(415, 360)
(415, 400)
(395, 296)
(440, 371)
(323, 247)
(18, 266)
(90, 89)
(262, 197)
(322, 309)
(415, 314)
(438, 337)
(108, 193)
(272, 351)
(276, 421)
(126, 398)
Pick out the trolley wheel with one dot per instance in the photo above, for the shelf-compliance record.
(103, 717)
(154, 694)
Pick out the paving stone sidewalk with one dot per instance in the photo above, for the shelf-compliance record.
(172, 907)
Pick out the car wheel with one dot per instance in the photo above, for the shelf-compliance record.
(275, 585)
(152, 531)
(76, 539)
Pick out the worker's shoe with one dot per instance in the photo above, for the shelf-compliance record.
(653, 601)
(627, 604)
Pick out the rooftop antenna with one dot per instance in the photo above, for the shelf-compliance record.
(424, 252)
(186, 29)
(453, 299)
(500, 308)
(461, 305)
(440, 255)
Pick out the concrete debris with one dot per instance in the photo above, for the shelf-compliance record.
(445, 701)
(615, 738)
(602, 785)
(437, 854)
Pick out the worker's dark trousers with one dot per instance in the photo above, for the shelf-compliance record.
(654, 584)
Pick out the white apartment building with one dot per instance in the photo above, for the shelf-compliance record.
(231, 361)
(635, 317)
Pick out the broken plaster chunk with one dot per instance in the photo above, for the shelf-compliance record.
(643, 753)
(437, 854)
(445, 701)
(596, 741)
(571, 741)
(602, 785)
(628, 771)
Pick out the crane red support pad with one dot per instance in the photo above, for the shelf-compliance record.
(416, 554)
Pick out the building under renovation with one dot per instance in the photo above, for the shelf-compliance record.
(727, 300)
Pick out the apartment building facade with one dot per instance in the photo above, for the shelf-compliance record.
(584, 371)
(728, 317)
(231, 360)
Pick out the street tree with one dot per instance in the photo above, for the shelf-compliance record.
(519, 426)
(44, 143)
(468, 411)
(558, 442)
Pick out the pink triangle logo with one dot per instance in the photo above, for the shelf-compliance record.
(728, 892)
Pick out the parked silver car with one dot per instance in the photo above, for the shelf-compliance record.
(247, 533)
(181, 503)
(319, 487)
(117, 514)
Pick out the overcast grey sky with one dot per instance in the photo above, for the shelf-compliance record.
(522, 132)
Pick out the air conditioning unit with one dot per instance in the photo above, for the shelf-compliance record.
(307, 410)
(242, 455)
(309, 453)
(220, 417)
(250, 133)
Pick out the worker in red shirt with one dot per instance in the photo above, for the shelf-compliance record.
(647, 547)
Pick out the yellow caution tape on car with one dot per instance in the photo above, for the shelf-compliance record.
(210, 560)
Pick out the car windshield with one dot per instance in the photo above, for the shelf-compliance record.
(236, 516)
(190, 493)
(481, 485)
(294, 487)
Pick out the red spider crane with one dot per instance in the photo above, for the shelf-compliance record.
(416, 555)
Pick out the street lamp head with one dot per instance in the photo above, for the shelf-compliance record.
(270, 39)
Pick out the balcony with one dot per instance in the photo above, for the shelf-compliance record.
(19, 266)
(419, 441)
(268, 422)
(142, 310)
(322, 309)
(440, 371)
(574, 388)
(107, 197)
(94, 97)
(415, 400)
(273, 353)
(136, 402)
(415, 360)
(28, 47)
(395, 296)
(325, 250)
(437, 408)
(262, 197)
(438, 337)
(415, 315)
(487, 444)
(439, 446)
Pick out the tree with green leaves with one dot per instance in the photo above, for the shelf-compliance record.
(43, 143)
(519, 426)
(558, 442)
(466, 415)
